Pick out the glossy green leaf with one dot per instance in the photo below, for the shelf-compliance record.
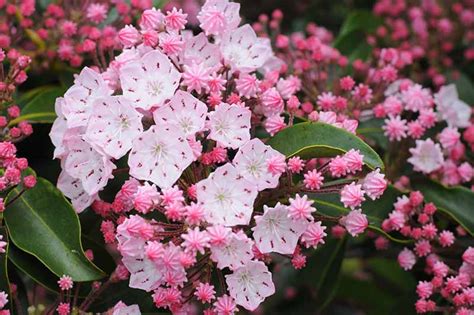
(376, 210)
(310, 140)
(360, 21)
(465, 87)
(33, 268)
(456, 202)
(351, 40)
(4, 281)
(43, 223)
(40, 107)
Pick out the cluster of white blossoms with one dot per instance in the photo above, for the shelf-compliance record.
(179, 112)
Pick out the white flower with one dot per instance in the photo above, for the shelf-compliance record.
(87, 164)
(227, 197)
(251, 284)
(78, 99)
(251, 162)
(114, 124)
(243, 50)
(236, 252)
(451, 109)
(276, 232)
(72, 188)
(160, 155)
(150, 81)
(230, 125)
(426, 156)
(184, 111)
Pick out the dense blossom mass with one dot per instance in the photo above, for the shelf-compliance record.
(179, 116)
(172, 145)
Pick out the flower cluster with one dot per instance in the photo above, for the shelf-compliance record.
(70, 32)
(205, 197)
(411, 111)
(431, 31)
(415, 219)
(14, 171)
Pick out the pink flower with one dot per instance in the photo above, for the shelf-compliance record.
(151, 19)
(395, 128)
(426, 156)
(354, 161)
(250, 162)
(172, 44)
(160, 155)
(205, 292)
(97, 12)
(374, 184)
(274, 124)
(219, 16)
(276, 232)
(417, 98)
(300, 208)
(63, 308)
(314, 235)
(355, 222)
(338, 166)
(422, 248)
(276, 164)
(468, 255)
(146, 198)
(3, 245)
(225, 305)
(313, 180)
(226, 196)
(449, 137)
(272, 103)
(230, 125)
(296, 164)
(129, 36)
(195, 77)
(251, 284)
(194, 214)
(247, 85)
(175, 19)
(446, 238)
(424, 289)
(3, 299)
(406, 259)
(352, 195)
(65, 283)
(195, 241)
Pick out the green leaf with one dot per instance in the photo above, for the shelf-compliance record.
(360, 20)
(464, 86)
(33, 268)
(40, 108)
(351, 40)
(456, 202)
(43, 223)
(310, 140)
(4, 281)
(329, 204)
(322, 271)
